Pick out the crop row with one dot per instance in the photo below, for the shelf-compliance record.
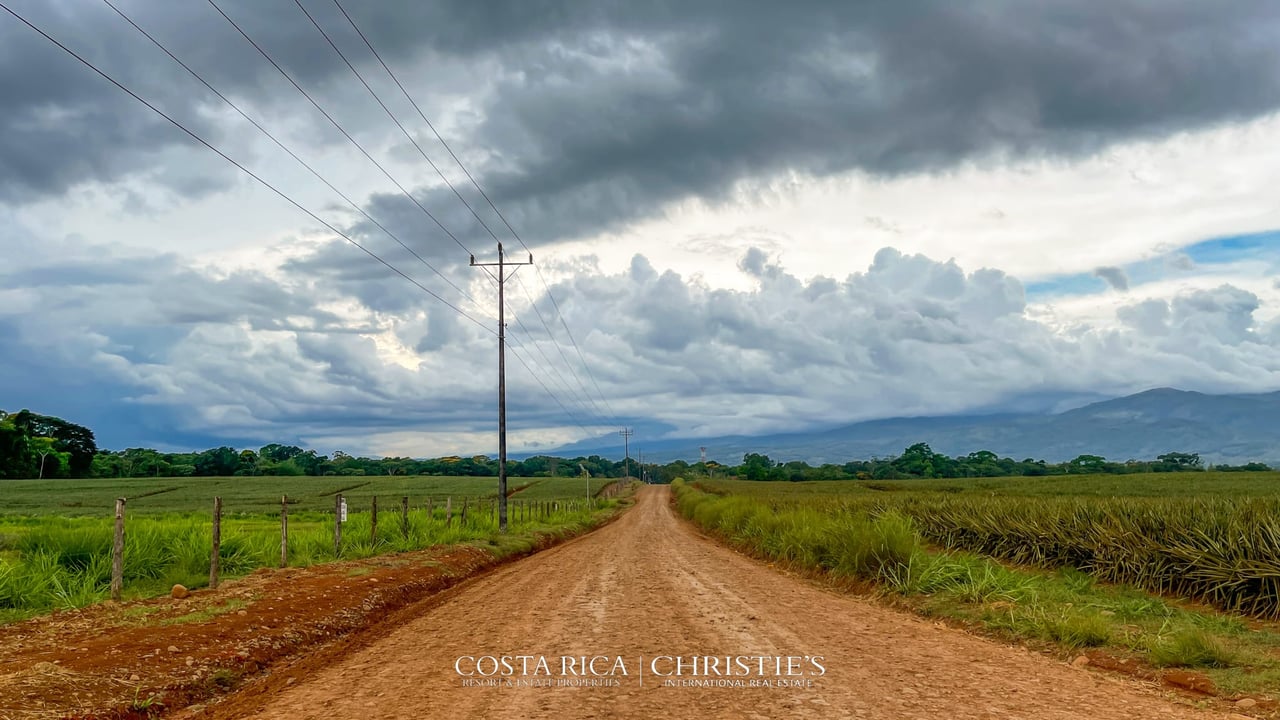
(883, 540)
(1224, 551)
(1220, 550)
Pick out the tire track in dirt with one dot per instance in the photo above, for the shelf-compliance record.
(650, 585)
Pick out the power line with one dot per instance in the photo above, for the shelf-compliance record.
(568, 413)
(559, 347)
(193, 135)
(336, 124)
(237, 164)
(485, 195)
(391, 115)
(576, 347)
(593, 415)
(283, 147)
(447, 182)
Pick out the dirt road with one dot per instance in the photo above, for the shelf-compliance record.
(647, 589)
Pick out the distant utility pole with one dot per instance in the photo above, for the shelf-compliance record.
(626, 434)
(502, 278)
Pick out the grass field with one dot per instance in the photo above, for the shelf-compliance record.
(55, 536)
(261, 494)
(1087, 561)
(1154, 485)
(1209, 536)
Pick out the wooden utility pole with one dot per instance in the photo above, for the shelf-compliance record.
(337, 525)
(284, 530)
(215, 557)
(117, 553)
(502, 278)
(404, 516)
(626, 434)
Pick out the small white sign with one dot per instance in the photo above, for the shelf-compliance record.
(342, 513)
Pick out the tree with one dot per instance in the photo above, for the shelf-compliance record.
(76, 440)
(756, 466)
(248, 463)
(280, 453)
(16, 458)
(919, 460)
(43, 447)
(1087, 464)
(221, 461)
(1176, 461)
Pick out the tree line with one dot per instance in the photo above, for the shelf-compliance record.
(42, 446)
(275, 459)
(920, 461)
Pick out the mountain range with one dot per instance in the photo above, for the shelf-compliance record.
(1222, 428)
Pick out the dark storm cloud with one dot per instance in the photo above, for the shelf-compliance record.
(647, 110)
(599, 112)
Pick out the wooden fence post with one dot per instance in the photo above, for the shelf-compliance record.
(117, 553)
(431, 511)
(215, 558)
(448, 511)
(373, 521)
(337, 525)
(404, 516)
(284, 531)
(462, 519)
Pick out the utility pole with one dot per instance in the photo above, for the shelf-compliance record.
(626, 434)
(502, 278)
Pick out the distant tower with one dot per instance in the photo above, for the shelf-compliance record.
(704, 455)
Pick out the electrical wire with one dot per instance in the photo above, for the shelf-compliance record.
(394, 119)
(194, 136)
(285, 148)
(374, 94)
(476, 184)
(594, 416)
(337, 125)
(573, 418)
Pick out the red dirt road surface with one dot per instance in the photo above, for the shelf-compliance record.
(648, 588)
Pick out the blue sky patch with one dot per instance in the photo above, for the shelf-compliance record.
(1217, 251)
(1235, 247)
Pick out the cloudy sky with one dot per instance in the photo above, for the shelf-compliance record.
(750, 217)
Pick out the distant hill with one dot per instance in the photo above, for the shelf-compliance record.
(1222, 428)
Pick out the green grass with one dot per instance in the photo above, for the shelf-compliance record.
(255, 495)
(1193, 647)
(1214, 537)
(876, 536)
(207, 614)
(1152, 485)
(63, 560)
